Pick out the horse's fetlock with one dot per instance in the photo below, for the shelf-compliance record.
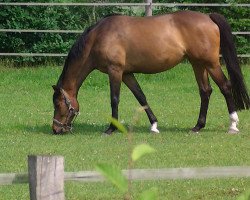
(201, 123)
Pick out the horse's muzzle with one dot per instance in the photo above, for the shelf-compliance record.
(60, 130)
(57, 131)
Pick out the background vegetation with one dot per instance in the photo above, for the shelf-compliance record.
(80, 17)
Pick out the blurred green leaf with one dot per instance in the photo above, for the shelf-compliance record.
(141, 150)
(118, 125)
(244, 196)
(114, 175)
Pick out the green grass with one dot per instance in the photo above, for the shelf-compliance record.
(26, 115)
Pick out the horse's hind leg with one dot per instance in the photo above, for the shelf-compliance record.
(115, 78)
(225, 88)
(205, 92)
(135, 88)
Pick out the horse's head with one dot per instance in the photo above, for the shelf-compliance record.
(64, 112)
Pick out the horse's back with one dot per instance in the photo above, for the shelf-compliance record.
(152, 44)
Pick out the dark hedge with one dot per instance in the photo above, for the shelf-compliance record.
(80, 17)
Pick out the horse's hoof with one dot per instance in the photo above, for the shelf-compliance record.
(195, 130)
(154, 131)
(154, 128)
(106, 134)
(233, 131)
(198, 127)
(110, 130)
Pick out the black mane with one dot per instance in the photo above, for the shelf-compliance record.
(111, 14)
(78, 47)
(75, 51)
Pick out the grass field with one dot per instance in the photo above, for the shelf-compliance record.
(26, 116)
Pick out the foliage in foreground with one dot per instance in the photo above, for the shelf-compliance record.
(113, 174)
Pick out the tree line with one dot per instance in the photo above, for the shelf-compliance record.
(81, 17)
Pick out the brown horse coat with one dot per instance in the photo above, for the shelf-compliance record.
(123, 45)
(154, 44)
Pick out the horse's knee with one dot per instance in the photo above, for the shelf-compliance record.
(206, 93)
(209, 90)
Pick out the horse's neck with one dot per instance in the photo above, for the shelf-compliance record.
(77, 66)
(68, 83)
(72, 77)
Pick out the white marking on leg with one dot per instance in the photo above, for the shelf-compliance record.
(154, 128)
(234, 120)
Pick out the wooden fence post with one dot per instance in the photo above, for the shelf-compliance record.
(148, 9)
(46, 177)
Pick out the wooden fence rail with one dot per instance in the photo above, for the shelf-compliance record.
(142, 174)
(148, 4)
(46, 175)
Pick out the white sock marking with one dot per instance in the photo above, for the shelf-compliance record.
(234, 120)
(154, 128)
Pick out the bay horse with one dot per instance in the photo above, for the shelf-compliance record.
(123, 45)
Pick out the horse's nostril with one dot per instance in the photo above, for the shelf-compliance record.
(54, 131)
(57, 130)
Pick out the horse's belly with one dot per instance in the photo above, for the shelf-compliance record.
(153, 63)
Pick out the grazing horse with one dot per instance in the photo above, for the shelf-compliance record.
(122, 45)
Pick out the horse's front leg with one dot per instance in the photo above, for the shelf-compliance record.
(133, 85)
(115, 78)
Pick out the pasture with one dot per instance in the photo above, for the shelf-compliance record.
(26, 112)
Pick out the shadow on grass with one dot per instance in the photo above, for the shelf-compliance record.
(83, 129)
(172, 129)
(146, 129)
(90, 129)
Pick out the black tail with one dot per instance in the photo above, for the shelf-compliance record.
(228, 51)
